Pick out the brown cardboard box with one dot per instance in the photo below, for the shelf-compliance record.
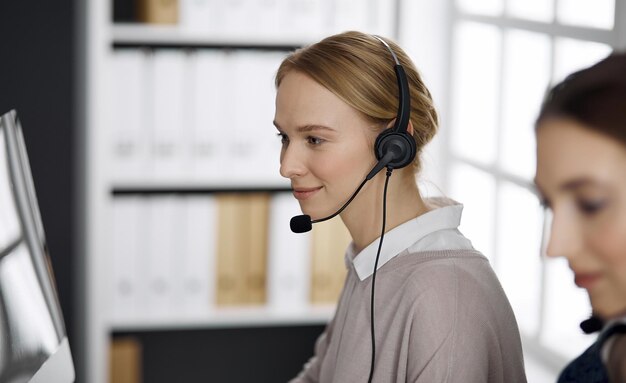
(125, 361)
(158, 11)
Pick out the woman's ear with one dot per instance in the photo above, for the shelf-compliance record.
(409, 128)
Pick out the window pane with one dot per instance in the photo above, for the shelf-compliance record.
(525, 82)
(537, 10)
(572, 55)
(566, 306)
(518, 261)
(587, 13)
(475, 189)
(476, 70)
(483, 7)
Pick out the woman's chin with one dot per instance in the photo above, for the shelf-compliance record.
(608, 311)
(315, 214)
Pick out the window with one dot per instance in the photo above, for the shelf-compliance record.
(505, 54)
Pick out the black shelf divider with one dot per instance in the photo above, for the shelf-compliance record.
(202, 45)
(167, 190)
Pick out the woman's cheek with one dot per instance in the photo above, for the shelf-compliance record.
(609, 242)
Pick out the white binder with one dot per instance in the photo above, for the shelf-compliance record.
(235, 18)
(161, 260)
(195, 287)
(266, 18)
(253, 146)
(199, 16)
(307, 20)
(353, 15)
(169, 123)
(289, 276)
(267, 155)
(210, 124)
(128, 239)
(129, 144)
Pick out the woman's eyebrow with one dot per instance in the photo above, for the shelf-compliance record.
(574, 184)
(307, 128)
(578, 183)
(312, 127)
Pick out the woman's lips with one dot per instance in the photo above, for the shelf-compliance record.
(586, 281)
(305, 193)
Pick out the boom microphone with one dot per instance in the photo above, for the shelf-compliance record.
(303, 223)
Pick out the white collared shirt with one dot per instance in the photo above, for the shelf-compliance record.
(434, 230)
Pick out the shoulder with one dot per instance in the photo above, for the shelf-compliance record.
(448, 287)
(588, 368)
(445, 273)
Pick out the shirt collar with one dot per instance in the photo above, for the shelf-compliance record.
(403, 236)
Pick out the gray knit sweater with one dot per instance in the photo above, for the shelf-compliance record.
(440, 316)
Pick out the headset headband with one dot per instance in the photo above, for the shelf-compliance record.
(404, 99)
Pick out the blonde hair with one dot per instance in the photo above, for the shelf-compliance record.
(359, 69)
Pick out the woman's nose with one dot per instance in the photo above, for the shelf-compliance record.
(291, 163)
(565, 237)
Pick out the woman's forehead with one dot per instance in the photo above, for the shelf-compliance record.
(568, 153)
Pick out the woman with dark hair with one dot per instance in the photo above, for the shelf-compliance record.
(581, 175)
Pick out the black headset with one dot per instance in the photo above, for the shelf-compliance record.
(397, 140)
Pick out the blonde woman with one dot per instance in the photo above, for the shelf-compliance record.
(440, 312)
(581, 174)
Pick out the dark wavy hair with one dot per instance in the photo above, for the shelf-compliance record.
(594, 97)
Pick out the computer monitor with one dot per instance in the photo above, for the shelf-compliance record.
(33, 342)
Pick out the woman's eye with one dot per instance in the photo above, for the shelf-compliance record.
(283, 138)
(314, 140)
(590, 207)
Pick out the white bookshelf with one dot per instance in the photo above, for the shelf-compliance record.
(134, 33)
(102, 39)
(235, 317)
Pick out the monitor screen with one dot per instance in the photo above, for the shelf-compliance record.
(33, 342)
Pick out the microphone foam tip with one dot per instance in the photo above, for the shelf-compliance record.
(300, 223)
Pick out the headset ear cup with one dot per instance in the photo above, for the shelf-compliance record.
(402, 144)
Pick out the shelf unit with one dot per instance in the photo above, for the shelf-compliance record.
(133, 34)
(102, 38)
(235, 317)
